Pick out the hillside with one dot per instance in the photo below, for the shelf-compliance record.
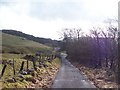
(39, 73)
(47, 41)
(17, 44)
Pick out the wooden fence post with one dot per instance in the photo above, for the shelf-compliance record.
(22, 65)
(34, 64)
(39, 61)
(27, 65)
(3, 70)
(52, 57)
(13, 66)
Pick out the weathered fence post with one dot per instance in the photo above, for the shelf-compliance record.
(27, 65)
(34, 64)
(39, 61)
(22, 65)
(52, 56)
(13, 66)
(3, 70)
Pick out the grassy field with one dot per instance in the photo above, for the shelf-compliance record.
(11, 43)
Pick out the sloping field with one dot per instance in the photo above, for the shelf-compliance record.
(16, 44)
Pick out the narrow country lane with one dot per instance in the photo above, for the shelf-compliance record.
(70, 77)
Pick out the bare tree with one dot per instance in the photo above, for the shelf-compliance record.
(96, 33)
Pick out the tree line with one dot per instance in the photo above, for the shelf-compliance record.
(99, 49)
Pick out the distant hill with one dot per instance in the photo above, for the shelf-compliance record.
(17, 44)
(46, 41)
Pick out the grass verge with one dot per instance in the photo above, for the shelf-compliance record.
(42, 78)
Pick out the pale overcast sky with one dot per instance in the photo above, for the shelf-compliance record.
(45, 18)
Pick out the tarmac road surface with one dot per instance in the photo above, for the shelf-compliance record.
(70, 77)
